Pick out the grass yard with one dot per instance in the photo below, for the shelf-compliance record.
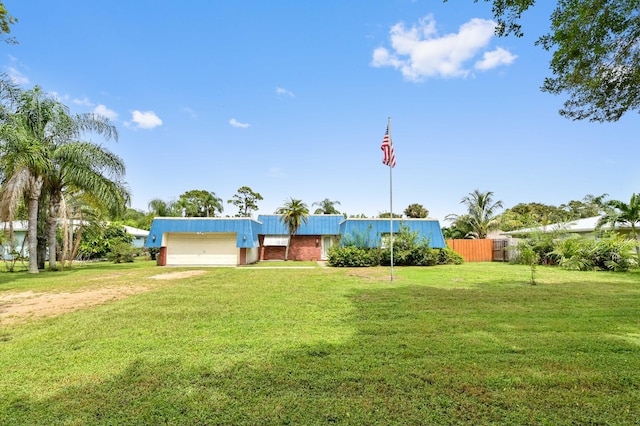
(468, 344)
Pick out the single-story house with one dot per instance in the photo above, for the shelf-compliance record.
(19, 234)
(139, 235)
(241, 241)
(583, 227)
(20, 228)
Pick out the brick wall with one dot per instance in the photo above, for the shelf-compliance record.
(303, 247)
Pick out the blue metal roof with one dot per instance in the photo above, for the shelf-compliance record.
(375, 228)
(244, 227)
(271, 225)
(321, 224)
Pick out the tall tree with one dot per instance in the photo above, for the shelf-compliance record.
(388, 215)
(6, 21)
(246, 200)
(326, 206)
(136, 218)
(43, 158)
(158, 207)
(596, 54)
(199, 203)
(531, 214)
(482, 212)
(293, 213)
(589, 206)
(619, 212)
(83, 167)
(416, 211)
(26, 133)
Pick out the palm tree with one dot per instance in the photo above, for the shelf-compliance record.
(199, 203)
(38, 163)
(25, 159)
(482, 213)
(619, 212)
(87, 168)
(326, 206)
(77, 211)
(159, 207)
(292, 214)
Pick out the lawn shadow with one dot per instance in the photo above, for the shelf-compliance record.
(413, 360)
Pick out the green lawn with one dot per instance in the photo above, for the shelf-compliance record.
(468, 344)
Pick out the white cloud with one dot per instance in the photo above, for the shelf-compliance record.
(282, 91)
(14, 73)
(146, 119)
(495, 58)
(106, 112)
(276, 172)
(236, 123)
(84, 101)
(189, 111)
(16, 76)
(420, 52)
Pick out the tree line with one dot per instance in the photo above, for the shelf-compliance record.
(484, 214)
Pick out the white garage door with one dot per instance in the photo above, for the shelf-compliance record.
(202, 249)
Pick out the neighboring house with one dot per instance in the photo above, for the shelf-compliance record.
(139, 235)
(19, 234)
(584, 227)
(241, 241)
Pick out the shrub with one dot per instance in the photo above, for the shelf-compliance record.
(448, 256)
(573, 253)
(408, 250)
(122, 252)
(98, 241)
(613, 253)
(352, 256)
(358, 239)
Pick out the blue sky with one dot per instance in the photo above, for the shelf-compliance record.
(291, 99)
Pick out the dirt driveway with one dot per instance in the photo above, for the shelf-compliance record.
(22, 307)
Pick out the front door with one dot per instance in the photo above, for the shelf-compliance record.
(327, 242)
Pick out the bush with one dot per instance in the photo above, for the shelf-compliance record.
(122, 252)
(448, 256)
(153, 252)
(615, 253)
(538, 248)
(98, 241)
(352, 256)
(408, 250)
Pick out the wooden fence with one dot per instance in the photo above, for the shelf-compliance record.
(473, 250)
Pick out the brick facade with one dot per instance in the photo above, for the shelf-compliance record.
(302, 247)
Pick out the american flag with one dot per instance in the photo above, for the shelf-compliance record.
(388, 155)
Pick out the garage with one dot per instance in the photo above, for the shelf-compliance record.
(188, 241)
(199, 248)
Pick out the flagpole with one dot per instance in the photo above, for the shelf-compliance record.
(390, 202)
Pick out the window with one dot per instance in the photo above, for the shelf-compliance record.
(275, 240)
